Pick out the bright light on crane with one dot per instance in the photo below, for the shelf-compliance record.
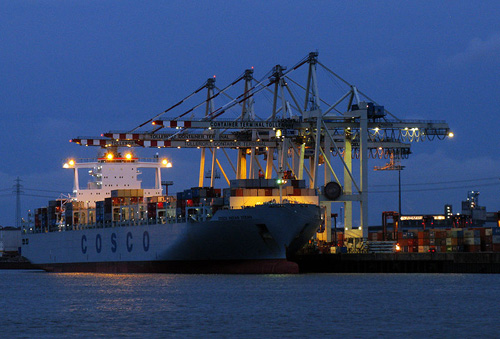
(69, 164)
(166, 163)
(451, 134)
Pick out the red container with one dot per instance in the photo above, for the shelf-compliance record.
(423, 234)
(423, 241)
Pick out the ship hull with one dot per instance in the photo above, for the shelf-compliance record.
(249, 240)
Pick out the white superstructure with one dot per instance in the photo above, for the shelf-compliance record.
(114, 171)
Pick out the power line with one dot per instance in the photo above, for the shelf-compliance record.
(38, 190)
(436, 189)
(42, 196)
(440, 182)
(31, 189)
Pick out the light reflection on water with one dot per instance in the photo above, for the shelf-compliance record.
(40, 304)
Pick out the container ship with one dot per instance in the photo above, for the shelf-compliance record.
(113, 225)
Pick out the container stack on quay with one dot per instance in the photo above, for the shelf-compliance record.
(470, 240)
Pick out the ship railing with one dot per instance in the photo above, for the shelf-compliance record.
(109, 224)
(94, 160)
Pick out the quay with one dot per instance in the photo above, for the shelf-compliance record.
(398, 262)
(16, 262)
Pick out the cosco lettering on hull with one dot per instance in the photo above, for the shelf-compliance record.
(101, 243)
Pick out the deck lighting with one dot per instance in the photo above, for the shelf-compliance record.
(69, 164)
(128, 156)
(166, 163)
(109, 156)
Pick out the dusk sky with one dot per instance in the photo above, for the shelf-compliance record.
(81, 68)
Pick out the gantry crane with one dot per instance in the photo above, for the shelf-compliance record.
(298, 133)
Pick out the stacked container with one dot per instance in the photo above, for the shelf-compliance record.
(496, 239)
(472, 240)
(437, 240)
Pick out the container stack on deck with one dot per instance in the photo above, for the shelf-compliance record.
(268, 188)
(199, 196)
(123, 205)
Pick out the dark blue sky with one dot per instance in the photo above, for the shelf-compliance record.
(82, 68)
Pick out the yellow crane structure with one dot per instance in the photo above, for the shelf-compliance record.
(297, 133)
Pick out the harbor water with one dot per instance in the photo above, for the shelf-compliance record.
(48, 305)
